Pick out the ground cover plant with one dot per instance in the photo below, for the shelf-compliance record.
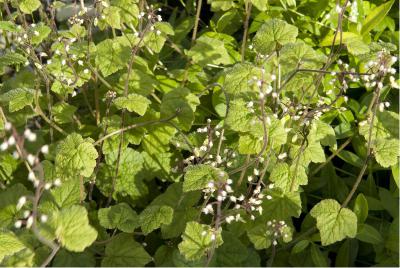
(199, 133)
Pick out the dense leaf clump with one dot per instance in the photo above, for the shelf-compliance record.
(199, 133)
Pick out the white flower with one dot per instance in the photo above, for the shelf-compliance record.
(4, 146)
(250, 104)
(7, 126)
(31, 137)
(31, 159)
(273, 77)
(256, 172)
(31, 176)
(269, 197)
(233, 199)
(80, 62)
(282, 156)
(18, 224)
(27, 132)
(274, 243)
(212, 237)
(44, 218)
(27, 213)
(29, 222)
(158, 32)
(203, 233)
(47, 186)
(249, 178)
(57, 182)
(86, 71)
(45, 149)
(36, 33)
(229, 181)
(229, 219)
(269, 89)
(268, 120)
(15, 155)
(63, 62)
(381, 107)
(21, 202)
(271, 186)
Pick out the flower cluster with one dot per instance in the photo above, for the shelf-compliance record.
(276, 230)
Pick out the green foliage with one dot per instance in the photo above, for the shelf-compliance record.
(75, 157)
(71, 228)
(199, 133)
(198, 239)
(334, 222)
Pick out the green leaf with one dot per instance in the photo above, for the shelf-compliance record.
(133, 103)
(8, 200)
(260, 4)
(353, 41)
(153, 217)
(65, 258)
(128, 183)
(66, 195)
(361, 208)
(369, 234)
(9, 244)
(392, 240)
(288, 178)
(18, 98)
(39, 33)
(28, 6)
(282, 205)
(237, 79)
(197, 240)
(333, 222)
(323, 132)
(72, 229)
(273, 34)
(232, 253)
(318, 258)
(182, 101)
(111, 56)
(300, 246)
(197, 177)
(209, 51)
(63, 113)
(387, 152)
(75, 157)
(120, 216)
(11, 58)
(375, 17)
(347, 253)
(9, 26)
(124, 251)
(298, 54)
(112, 16)
(154, 41)
(258, 236)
